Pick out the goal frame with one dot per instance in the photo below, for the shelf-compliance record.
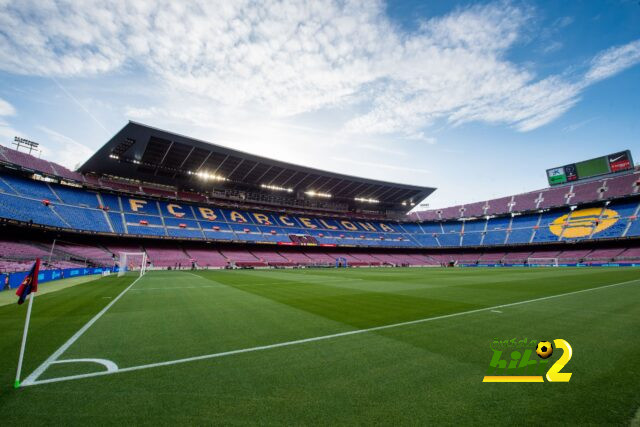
(547, 262)
(122, 262)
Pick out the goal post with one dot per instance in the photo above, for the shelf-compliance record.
(132, 261)
(542, 262)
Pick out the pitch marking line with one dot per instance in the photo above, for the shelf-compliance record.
(173, 287)
(54, 357)
(33, 377)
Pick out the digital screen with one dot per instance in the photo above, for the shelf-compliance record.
(593, 167)
(611, 163)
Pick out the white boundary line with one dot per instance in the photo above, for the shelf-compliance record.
(33, 377)
(175, 287)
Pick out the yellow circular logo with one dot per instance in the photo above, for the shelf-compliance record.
(583, 222)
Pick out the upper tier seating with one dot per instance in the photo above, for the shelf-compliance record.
(583, 192)
(84, 210)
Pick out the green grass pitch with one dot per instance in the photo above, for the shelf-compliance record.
(416, 373)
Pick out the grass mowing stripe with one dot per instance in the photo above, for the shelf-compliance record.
(40, 369)
(301, 341)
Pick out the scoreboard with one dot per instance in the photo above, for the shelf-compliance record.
(612, 163)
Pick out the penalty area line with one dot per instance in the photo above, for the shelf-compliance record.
(308, 340)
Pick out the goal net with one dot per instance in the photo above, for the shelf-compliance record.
(542, 262)
(132, 261)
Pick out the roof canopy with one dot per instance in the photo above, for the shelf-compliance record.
(148, 154)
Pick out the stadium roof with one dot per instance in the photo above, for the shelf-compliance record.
(149, 154)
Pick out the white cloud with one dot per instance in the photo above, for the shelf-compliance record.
(381, 165)
(68, 152)
(613, 61)
(378, 148)
(6, 131)
(274, 60)
(6, 109)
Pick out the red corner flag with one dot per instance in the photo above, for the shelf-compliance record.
(30, 283)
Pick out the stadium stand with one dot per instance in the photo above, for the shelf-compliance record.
(272, 258)
(605, 254)
(602, 189)
(587, 192)
(516, 257)
(297, 258)
(630, 254)
(207, 258)
(94, 254)
(119, 200)
(243, 258)
(168, 257)
(71, 208)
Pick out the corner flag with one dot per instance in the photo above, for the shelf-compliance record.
(30, 283)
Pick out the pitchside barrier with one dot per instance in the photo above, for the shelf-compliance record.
(49, 275)
(590, 264)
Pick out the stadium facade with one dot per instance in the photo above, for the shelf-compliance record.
(191, 203)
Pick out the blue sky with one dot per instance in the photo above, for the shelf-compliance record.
(475, 98)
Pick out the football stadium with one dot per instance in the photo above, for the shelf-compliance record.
(169, 279)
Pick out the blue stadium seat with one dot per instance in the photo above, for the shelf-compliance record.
(451, 227)
(23, 209)
(219, 235)
(496, 237)
(83, 219)
(111, 201)
(450, 239)
(472, 239)
(524, 221)
(634, 229)
(146, 230)
(134, 219)
(520, 235)
(185, 232)
(5, 188)
(29, 188)
(116, 221)
(75, 196)
(474, 226)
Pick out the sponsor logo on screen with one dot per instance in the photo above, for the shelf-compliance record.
(619, 162)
